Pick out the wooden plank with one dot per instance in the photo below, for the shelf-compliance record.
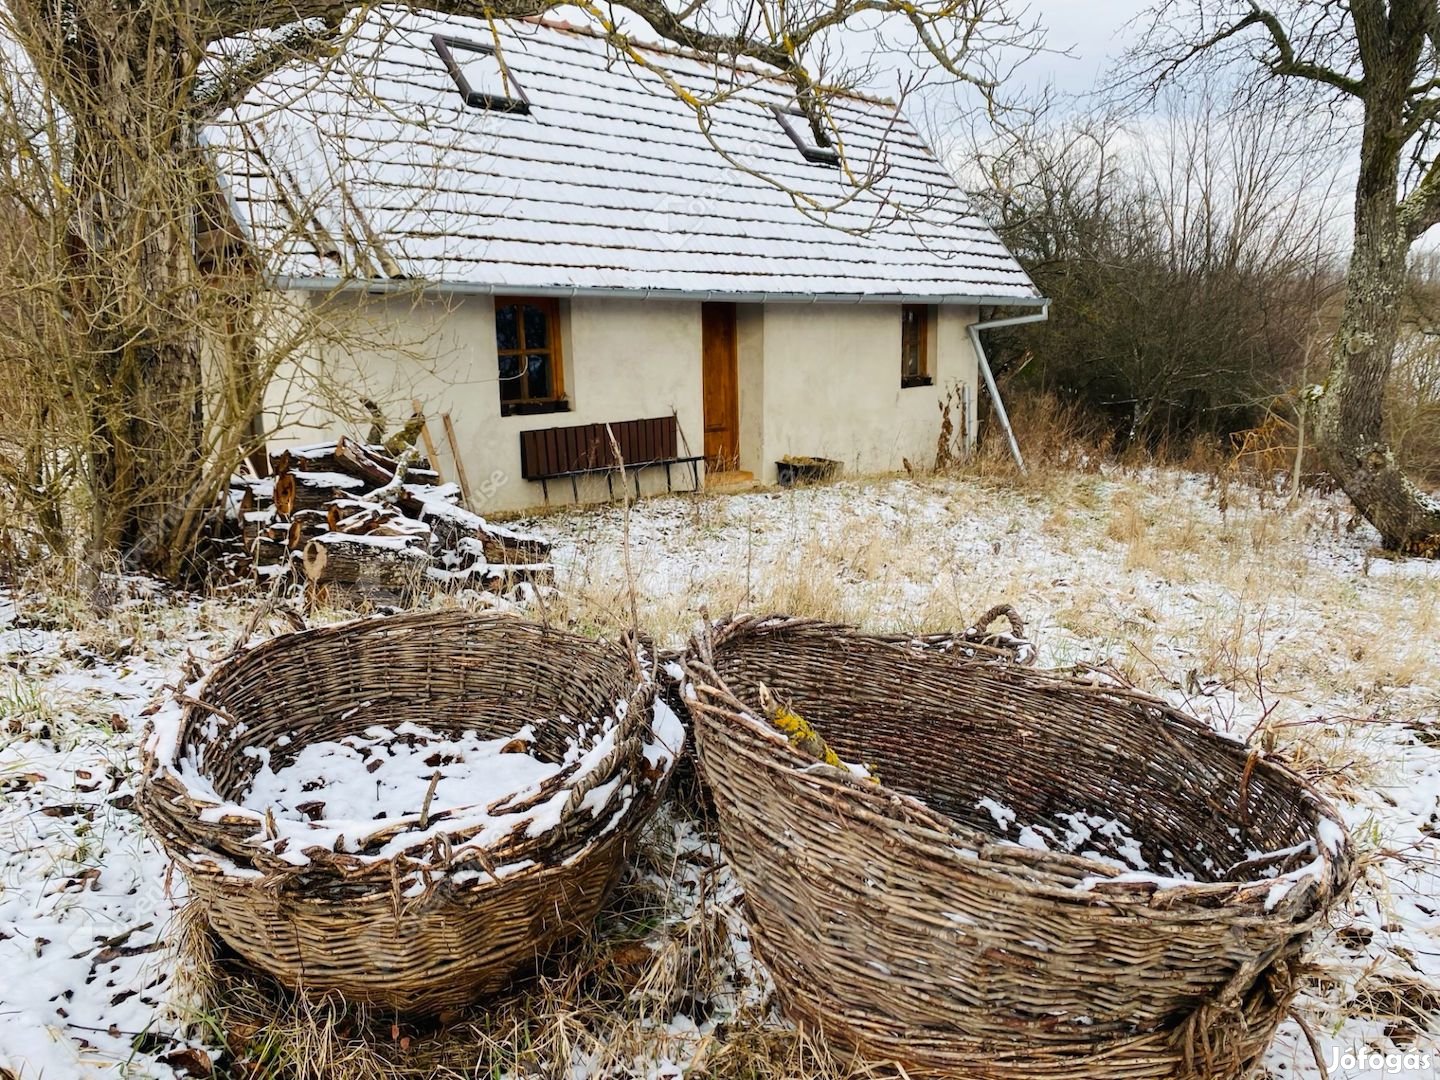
(455, 454)
(429, 442)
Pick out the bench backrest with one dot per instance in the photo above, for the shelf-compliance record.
(546, 452)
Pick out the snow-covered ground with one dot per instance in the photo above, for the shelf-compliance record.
(1282, 625)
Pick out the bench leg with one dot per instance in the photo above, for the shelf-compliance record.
(574, 488)
(668, 487)
(695, 474)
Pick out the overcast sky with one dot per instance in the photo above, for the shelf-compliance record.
(1096, 32)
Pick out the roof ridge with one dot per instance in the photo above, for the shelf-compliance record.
(672, 49)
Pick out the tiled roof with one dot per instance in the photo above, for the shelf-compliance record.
(372, 166)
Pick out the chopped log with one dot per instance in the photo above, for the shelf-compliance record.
(317, 458)
(504, 545)
(305, 525)
(230, 568)
(420, 471)
(271, 551)
(356, 517)
(327, 457)
(417, 531)
(252, 525)
(339, 510)
(311, 491)
(359, 461)
(376, 467)
(494, 577)
(365, 560)
(452, 524)
(341, 594)
(391, 491)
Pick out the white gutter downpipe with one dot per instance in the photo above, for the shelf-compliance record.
(993, 324)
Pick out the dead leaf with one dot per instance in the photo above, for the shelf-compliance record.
(189, 1061)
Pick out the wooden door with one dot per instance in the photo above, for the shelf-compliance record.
(721, 387)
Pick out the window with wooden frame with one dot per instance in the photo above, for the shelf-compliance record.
(527, 339)
(915, 345)
(483, 79)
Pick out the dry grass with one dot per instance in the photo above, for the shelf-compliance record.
(671, 943)
(1273, 622)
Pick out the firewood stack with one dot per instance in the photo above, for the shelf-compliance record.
(359, 526)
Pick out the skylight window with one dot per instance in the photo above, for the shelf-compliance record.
(484, 82)
(797, 126)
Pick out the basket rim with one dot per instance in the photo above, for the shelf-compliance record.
(711, 699)
(637, 723)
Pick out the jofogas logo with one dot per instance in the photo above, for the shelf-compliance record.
(1362, 1060)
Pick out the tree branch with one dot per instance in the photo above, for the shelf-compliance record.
(309, 40)
(1286, 63)
(1420, 210)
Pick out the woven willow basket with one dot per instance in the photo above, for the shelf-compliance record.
(410, 918)
(978, 642)
(895, 920)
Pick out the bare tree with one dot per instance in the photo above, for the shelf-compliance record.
(108, 174)
(1378, 62)
(1186, 251)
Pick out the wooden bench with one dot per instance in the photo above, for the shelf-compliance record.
(583, 449)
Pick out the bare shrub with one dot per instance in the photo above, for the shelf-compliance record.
(1187, 254)
(1412, 411)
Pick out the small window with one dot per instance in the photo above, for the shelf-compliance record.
(915, 345)
(484, 82)
(812, 147)
(527, 339)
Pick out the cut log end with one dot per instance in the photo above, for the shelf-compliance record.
(316, 558)
(284, 496)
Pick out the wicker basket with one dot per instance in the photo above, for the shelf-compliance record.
(431, 912)
(896, 920)
(977, 642)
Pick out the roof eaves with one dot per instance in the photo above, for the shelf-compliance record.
(467, 288)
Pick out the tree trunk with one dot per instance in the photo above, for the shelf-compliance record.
(1350, 419)
(129, 203)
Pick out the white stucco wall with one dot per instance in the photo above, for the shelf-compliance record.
(814, 379)
(831, 386)
(623, 361)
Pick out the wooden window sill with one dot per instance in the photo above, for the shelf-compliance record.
(907, 381)
(533, 408)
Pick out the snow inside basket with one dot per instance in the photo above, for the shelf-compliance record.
(1052, 878)
(409, 810)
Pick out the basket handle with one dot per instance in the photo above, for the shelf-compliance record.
(266, 608)
(981, 625)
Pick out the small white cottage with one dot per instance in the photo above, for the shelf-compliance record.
(531, 235)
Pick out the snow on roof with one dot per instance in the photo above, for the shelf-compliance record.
(372, 166)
